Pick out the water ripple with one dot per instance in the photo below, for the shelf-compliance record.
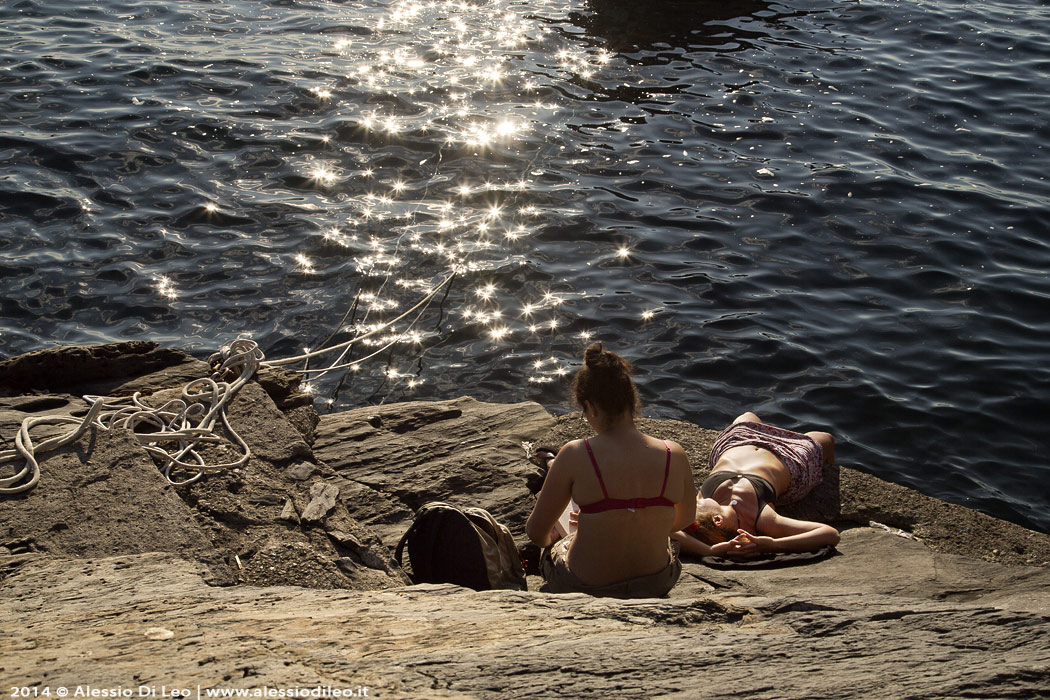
(834, 216)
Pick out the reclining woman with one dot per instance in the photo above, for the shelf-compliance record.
(635, 490)
(754, 467)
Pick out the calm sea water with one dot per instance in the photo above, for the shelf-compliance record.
(834, 214)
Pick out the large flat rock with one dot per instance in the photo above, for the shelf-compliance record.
(150, 620)
(390, 460)
(870, 560)
(106, 570)
(100, 496)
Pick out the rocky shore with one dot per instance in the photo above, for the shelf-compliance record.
(279, 575)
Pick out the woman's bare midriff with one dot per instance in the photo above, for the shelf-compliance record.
(748, 459)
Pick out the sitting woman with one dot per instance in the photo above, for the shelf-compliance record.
(755, 466)
(635, 490)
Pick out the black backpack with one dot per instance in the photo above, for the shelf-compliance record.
(466, 547)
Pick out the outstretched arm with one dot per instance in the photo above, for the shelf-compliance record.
(780, 534)
(691, 545)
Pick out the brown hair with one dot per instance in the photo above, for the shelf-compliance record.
(706, 530)
(605, 381)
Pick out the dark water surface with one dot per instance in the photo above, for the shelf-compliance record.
(834, 214)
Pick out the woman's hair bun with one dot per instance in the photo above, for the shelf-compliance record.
(595, 355)
(605, 381)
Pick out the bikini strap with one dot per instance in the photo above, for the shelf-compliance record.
(667, 469)
(594, 462)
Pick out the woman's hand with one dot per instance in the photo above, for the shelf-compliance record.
(746, 544)
(721, 549)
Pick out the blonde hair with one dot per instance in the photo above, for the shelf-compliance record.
(707, 531)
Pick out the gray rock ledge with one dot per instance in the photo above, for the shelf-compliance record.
(280, 574)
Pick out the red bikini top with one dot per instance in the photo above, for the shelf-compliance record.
(626, 503)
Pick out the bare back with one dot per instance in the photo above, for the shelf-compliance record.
(622, 543)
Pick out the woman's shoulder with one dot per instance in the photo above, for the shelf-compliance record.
(768, 520)
(572, 446)
(572, 451)
(661, 443)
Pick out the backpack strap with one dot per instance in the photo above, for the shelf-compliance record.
(400, 550)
